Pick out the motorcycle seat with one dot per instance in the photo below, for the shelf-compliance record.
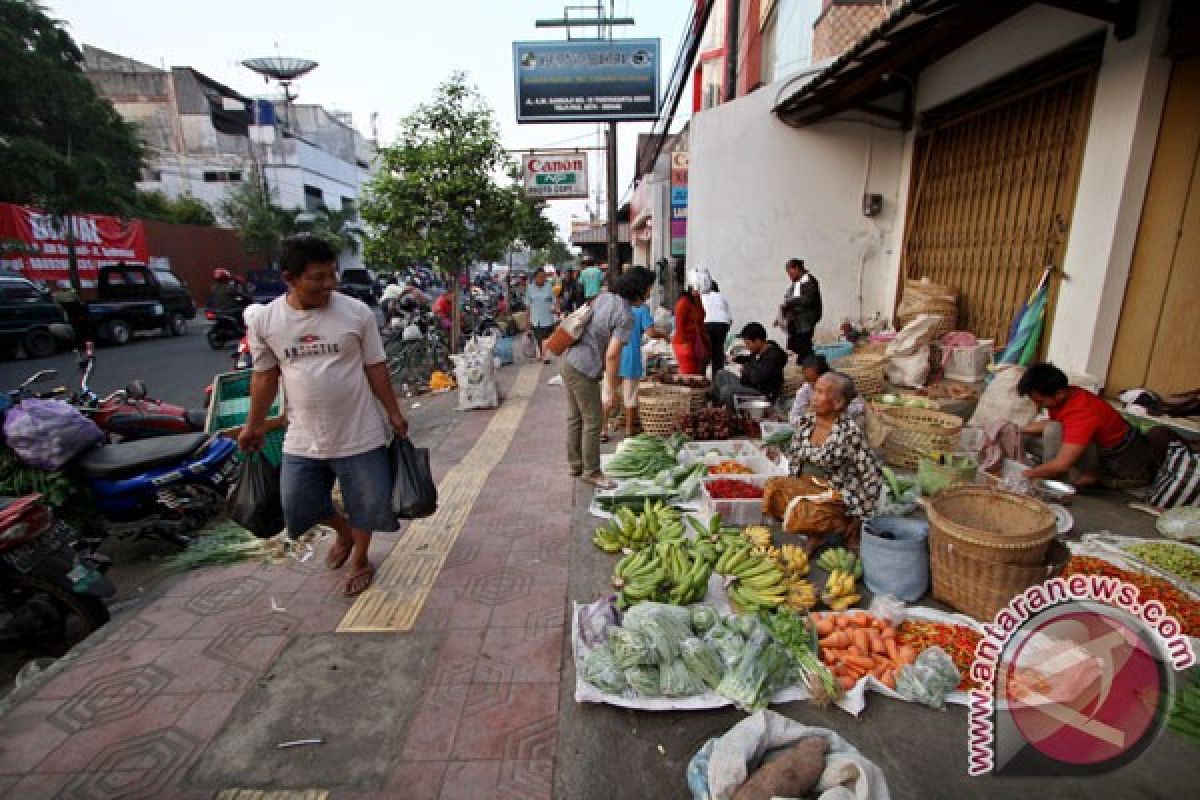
(125, 459)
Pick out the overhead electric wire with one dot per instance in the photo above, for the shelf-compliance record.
(689, 47)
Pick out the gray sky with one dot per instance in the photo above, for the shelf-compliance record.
(375, 57)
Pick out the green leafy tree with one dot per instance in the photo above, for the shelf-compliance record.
(439, 196)
(63, 148)
(556, 253)
(184, 210)
(261, 223)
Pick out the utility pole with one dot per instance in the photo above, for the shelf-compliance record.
(614, 241)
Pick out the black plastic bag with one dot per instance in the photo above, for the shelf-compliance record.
(414, 494)
(255, 502)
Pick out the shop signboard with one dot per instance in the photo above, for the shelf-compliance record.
(679, 202)
(42, 239)
(586, 81)
(555, 176)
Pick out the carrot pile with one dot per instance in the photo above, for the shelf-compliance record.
(857, 644)
(1178, 604)
(958, 641)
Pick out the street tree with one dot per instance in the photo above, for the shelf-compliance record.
(184, 210)
(63, 148)
(261, 224)
(443, 192)
(557, 253)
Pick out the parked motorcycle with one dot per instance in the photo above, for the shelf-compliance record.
(51, 596)
(128, 413)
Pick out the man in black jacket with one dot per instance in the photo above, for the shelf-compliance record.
(762, 369)
(801, 309)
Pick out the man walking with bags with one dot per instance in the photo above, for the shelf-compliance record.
(801, 309)
(341, 408)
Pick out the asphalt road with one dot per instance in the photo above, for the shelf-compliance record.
(176, 369)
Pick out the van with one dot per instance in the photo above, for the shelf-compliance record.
(30, 318)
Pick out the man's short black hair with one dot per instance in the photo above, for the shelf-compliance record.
(1045, 379)
(755, 331)
(303, 249)
(798, 263)
(817, 362)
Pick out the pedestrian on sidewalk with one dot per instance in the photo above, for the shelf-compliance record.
(801, 309)
(717, 320)
(341, 409)
(592, 280)
(590, 370)
(689, 341)
(633, 368)
(539, 299)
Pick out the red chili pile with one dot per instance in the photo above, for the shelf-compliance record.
(729, 489)
(1177, 603)
(957, 640)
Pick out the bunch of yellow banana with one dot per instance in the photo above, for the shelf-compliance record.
(795, 559)
(756, 582)
(759, 535)
(801, 594)
(840, 592)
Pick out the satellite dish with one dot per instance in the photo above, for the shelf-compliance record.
(280, 68)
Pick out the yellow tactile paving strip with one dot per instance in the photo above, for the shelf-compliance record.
(274, 794)
(403, 580)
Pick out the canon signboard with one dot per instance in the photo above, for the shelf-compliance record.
(551, 176)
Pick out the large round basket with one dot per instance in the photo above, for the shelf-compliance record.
(947, 320)
(980, 588)
(993, 525)
(662, 412)
(696, 396)
(913, 432)
(793, 379)
(865, 370)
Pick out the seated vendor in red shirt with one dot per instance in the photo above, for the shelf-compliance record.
(1084, 439)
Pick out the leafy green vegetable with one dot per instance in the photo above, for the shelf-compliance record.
(703, 661)
(601, 670)
(763, 668)
(794, 632)
(675, 680)
(631, 648)
(644, 680)
(704, 618)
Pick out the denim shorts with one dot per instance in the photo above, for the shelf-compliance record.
(366, 481)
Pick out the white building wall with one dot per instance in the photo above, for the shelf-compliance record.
(761, 192)
(1127, 107)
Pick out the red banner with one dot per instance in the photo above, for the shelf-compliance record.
(99, 240)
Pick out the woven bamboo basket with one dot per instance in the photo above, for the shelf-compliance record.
(697, 397)
(865, 370)
(870, 348)
(980, 588)
(793, 379)
(991, 524)
(662, 412)
(913, 432)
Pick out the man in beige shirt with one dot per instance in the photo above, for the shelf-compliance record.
(342, 411)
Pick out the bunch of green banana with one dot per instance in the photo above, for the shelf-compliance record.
(840, 592)
(633, 531)
(638, 576)
(840, 558)
(687, 577)
(756, 582)
(664, 573)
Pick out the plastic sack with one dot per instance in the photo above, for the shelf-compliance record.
(909, 370)
(728, 643)
(632, 649)
(254, 501)
(1182, 523)
(929, 679)
(644, 680)
(601, 670)
(475, 371)
(595, 619)
(676, 680)
(414, 493)
(666, 626)
(703, 661)
(914, 336)
(46, 434)
(724, 763)
(888, 608)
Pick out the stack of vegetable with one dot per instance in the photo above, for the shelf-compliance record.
(857, 644)
(958, 641)
(1177, 559)
(1177, 602)
(675, 484)
(668, 651)
(644, 456)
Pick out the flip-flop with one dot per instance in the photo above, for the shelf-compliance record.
(356, 578)
(599, 481)
(340, 561)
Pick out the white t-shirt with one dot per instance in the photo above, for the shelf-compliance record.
(715, 308)
(321, 354)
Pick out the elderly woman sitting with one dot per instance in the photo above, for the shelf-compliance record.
(829, 444)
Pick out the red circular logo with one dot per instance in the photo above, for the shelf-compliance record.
(1084, 687)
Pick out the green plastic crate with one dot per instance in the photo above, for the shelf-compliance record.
(229, 406)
